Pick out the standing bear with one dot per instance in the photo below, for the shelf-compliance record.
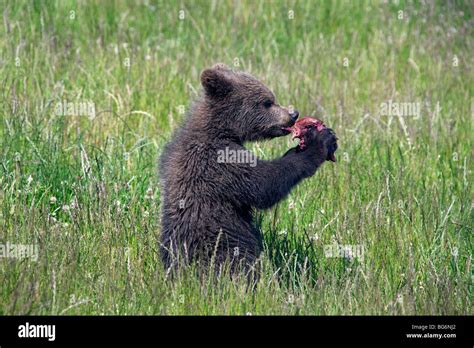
(210, 184)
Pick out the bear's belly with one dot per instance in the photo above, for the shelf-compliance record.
(211, 229)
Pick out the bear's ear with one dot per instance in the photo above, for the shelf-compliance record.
(216, 81)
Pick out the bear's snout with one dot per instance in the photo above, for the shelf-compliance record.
(294, 115)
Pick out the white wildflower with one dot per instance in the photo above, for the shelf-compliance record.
(149, 193)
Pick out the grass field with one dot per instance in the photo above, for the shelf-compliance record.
(82, 186)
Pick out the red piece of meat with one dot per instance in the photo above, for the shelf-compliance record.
(308, 124)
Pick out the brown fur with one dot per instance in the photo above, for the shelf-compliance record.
(207, 206)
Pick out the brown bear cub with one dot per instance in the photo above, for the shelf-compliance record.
(210, 184)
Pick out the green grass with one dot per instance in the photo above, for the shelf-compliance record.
(402, 187)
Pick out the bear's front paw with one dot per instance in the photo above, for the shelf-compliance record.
(331, 144)
(320, 145)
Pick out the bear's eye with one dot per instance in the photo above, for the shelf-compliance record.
(268, 103)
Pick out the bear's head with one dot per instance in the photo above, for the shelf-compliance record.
(242, 106)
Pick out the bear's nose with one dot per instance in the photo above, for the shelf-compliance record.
(294, 115)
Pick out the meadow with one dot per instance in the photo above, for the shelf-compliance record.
(92, 90)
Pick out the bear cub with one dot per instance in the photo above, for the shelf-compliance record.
(210, 184)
